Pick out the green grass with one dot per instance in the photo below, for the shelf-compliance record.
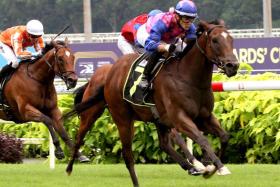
(39, 175)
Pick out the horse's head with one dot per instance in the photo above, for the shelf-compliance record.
(64, 63)
(218, 47)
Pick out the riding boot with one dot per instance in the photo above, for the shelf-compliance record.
(5, 71)
(148, 69)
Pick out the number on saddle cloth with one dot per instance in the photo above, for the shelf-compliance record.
(131, 92)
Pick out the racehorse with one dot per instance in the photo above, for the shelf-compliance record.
(89, 116)
(31, 96)
(182, 94)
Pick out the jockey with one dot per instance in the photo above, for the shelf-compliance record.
(14, 40)
(160, 32)
(126, 40)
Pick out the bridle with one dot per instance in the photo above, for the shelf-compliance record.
(215, 60)
(60, 73)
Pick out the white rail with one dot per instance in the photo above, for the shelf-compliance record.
(113, 37)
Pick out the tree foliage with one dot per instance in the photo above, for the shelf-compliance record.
(110, 15)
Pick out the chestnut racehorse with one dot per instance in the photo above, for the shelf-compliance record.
(31, 96)
(182, 94)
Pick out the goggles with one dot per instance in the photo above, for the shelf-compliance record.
(34, 36)
(187, 18)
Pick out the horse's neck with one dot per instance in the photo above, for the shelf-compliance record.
(41, 69)
(195, 68)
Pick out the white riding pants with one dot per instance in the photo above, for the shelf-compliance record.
(125, 46)
(8, 55)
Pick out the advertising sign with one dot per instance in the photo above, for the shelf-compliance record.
(90, 56)
(263, 54)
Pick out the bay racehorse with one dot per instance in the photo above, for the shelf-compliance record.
(30, 93)
(182, 94)
(94, 111)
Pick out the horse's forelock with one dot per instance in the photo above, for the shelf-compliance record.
(50, 45)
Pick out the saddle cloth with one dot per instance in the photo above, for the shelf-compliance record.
(131, 92)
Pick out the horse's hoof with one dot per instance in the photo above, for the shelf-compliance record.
(210, 171)
(198, 166)
(59, 155)
(83, 159)
(210, 168)
(223, 171)
(194, 172)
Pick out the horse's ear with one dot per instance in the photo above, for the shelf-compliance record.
(66, 41)
(218, 22)
(203, 25)
(53, 43)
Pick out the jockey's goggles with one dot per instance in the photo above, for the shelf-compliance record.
(34, 36)
(187, 18)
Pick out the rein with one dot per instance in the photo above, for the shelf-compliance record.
(215, 61)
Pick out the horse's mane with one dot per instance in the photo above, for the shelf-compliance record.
(199, 32)
(49, 46)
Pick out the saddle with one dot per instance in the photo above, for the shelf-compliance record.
(131, 92)
(4, 106)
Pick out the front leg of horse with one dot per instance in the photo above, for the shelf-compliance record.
(211, 125)
(58, 150)
(30, 113)
(58, 125)
(186, 125)
(165, 145)
(178, 139)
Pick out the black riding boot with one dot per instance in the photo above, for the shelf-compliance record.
(5, 71)
(148, 69)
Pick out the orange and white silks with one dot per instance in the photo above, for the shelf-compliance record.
(17, 38)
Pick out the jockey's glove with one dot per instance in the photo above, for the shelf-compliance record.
(37, 54)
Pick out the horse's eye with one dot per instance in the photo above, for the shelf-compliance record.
(60, 59)
(215, 40)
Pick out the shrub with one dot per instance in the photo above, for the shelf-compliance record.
(11, 149)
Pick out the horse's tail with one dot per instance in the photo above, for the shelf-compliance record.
(79, 93)
(96, 97)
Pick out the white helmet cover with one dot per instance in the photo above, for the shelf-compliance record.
(35, 27)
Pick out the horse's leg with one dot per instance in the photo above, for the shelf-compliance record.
(165, 145)
(126, 132)
(88, 118)
(178, 139)
(58, 126)
(32, 114)
(212, 125)
(188, 127)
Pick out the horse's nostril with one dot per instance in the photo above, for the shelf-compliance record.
(229, 65)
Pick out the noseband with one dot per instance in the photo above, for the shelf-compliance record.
(217, 61)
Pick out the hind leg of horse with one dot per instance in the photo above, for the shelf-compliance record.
(126, 132)
(87, 120)
(58, 125)
(165, 145)
(178, 139)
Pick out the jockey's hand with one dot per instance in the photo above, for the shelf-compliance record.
(24, 55)
(169, 48)
(172, 48)
(36, 54)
